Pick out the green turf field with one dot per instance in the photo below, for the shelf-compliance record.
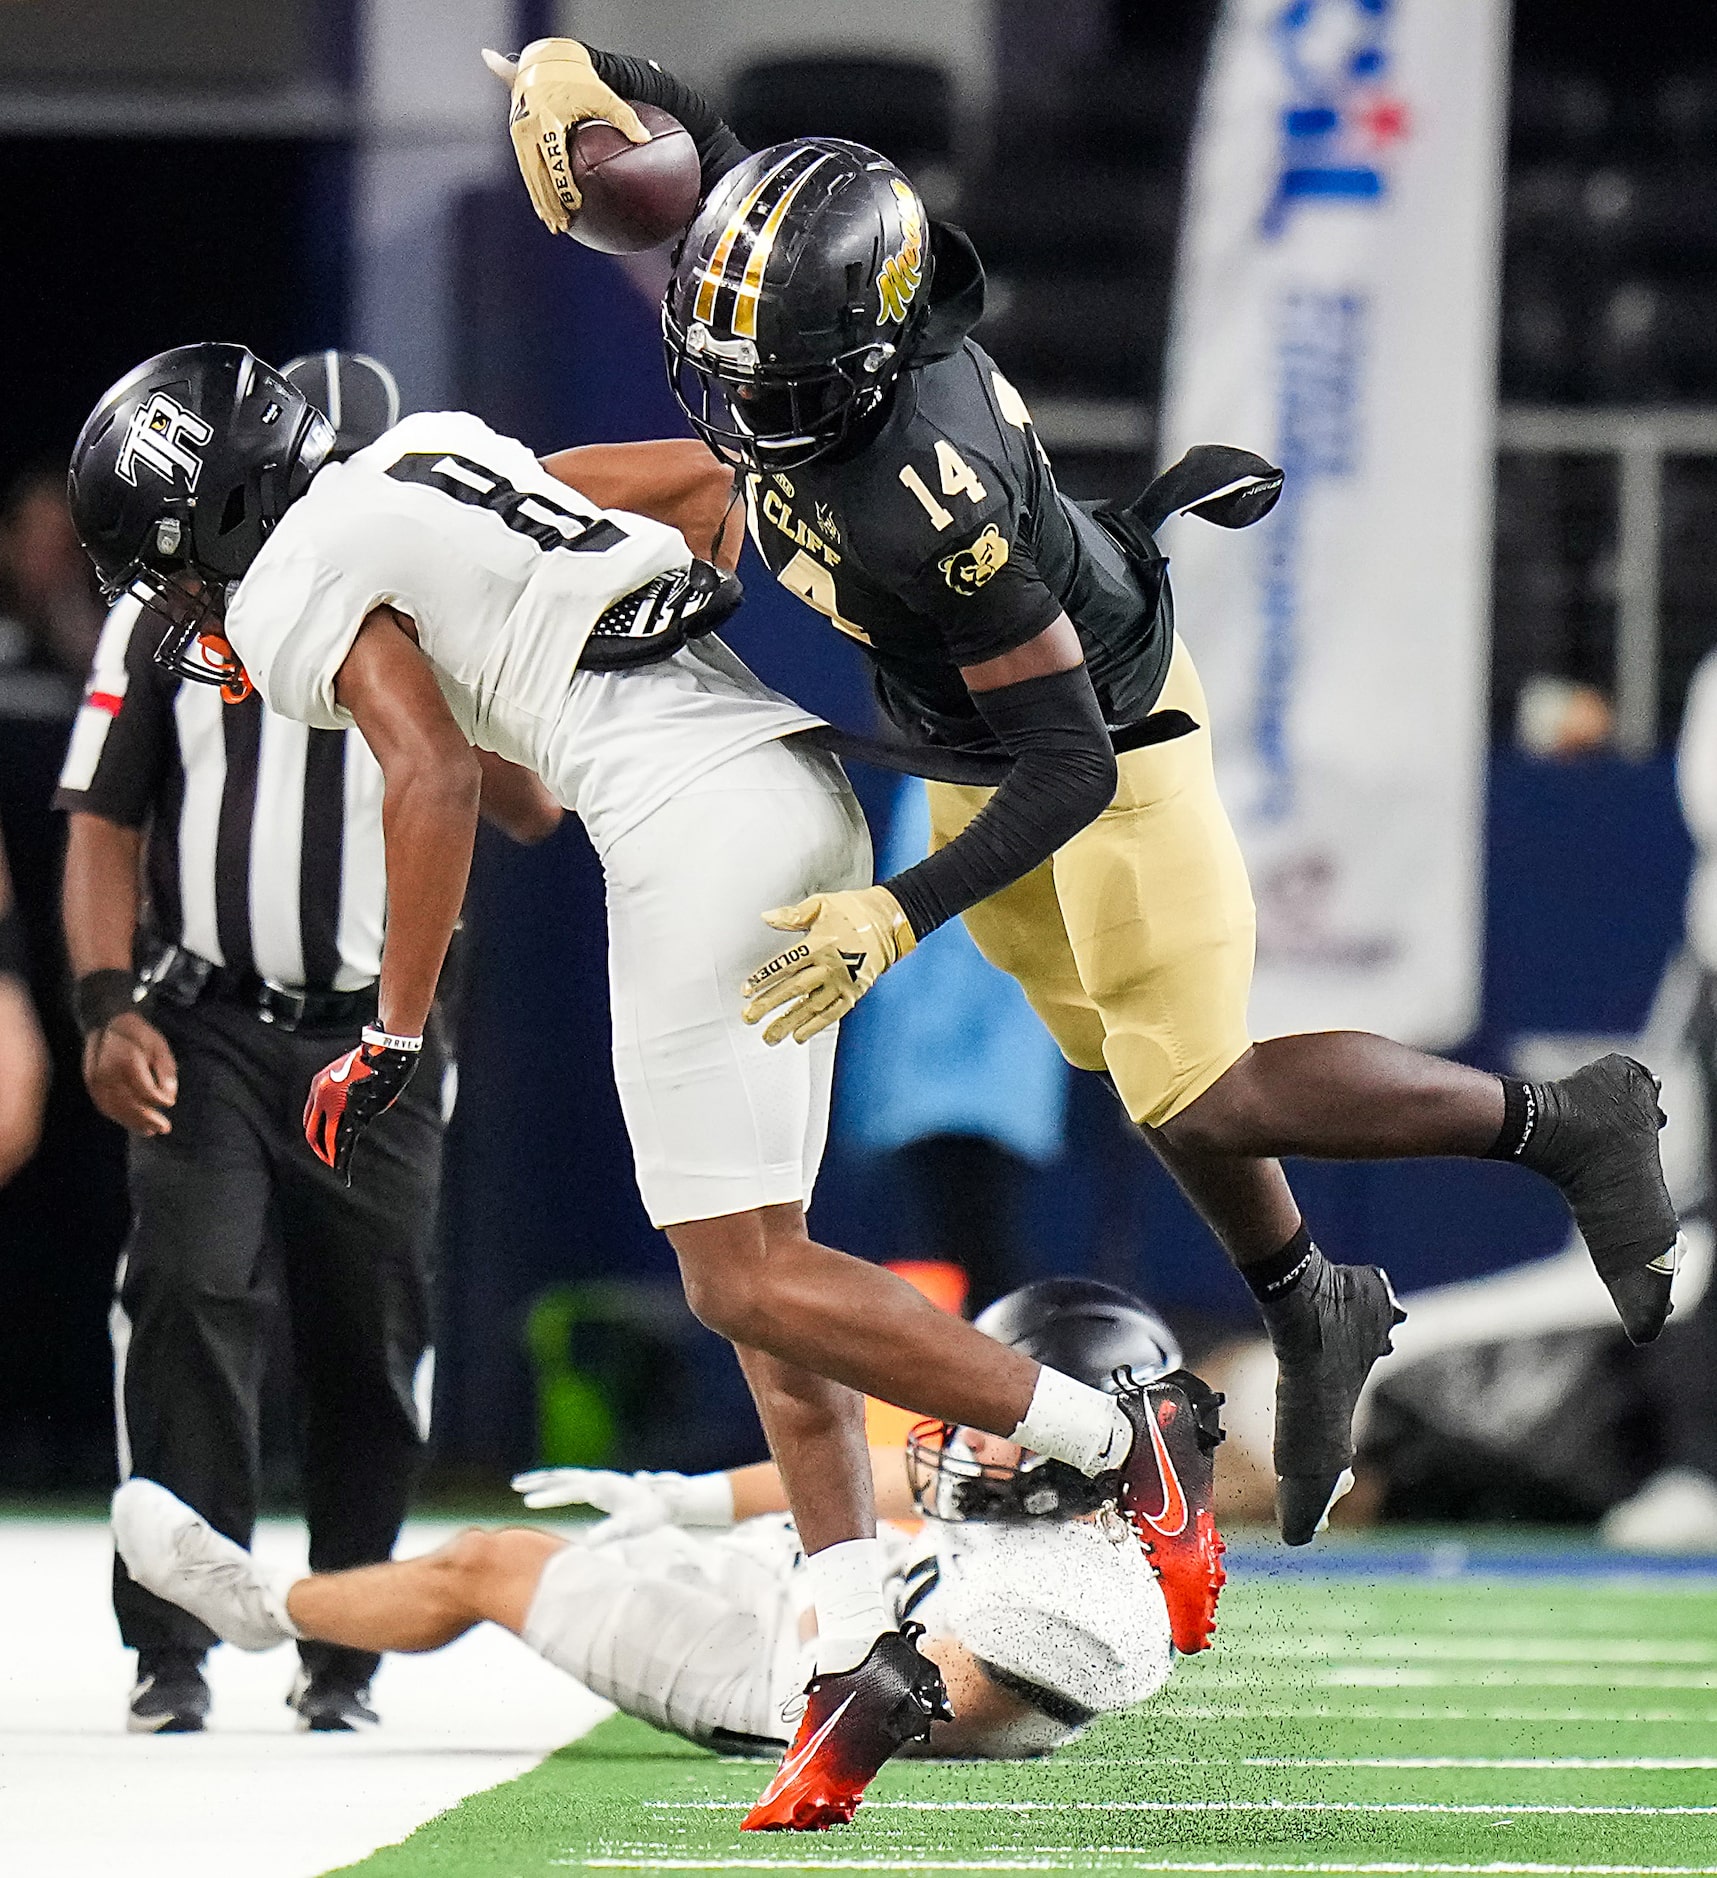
(1555, 1723)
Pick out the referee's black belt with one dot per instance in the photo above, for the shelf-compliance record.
(184, 978)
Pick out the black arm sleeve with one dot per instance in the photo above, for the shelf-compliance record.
(1062, 779)
(14, 956)
(642, 81)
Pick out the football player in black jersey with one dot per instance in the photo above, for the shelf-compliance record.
(818, 334)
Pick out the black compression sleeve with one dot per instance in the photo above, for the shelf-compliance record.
(642, 81)
(14, 959)
(1063, 778)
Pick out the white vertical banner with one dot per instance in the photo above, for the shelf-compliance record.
(1336, 310)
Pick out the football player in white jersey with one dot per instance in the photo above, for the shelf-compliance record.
(443, 589)
(689, 1606)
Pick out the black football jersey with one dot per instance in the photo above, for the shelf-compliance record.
(942, 541)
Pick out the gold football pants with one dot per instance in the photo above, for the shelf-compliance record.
(1134, 941)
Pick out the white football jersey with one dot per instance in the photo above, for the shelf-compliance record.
(504, 571)
(1069, 1609)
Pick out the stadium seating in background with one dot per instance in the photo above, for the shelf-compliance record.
(1611, 238)
(1089, 223)
(902, 107)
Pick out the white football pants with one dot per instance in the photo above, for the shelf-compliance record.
(698, 1634)
(720, 1122)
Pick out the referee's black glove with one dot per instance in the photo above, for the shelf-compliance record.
(351, 1092)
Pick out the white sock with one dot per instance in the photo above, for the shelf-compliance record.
(275, 1587)
(1072, 1422)
(846, 1589)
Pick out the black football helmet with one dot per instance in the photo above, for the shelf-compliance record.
(1096, 1333)
(177, 478)
(794, 295)
(358, 395)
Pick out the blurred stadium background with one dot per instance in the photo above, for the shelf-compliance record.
(304, 173)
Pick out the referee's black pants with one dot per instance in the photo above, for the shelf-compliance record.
(232, 1213)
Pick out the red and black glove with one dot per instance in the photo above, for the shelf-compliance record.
(350, 1093)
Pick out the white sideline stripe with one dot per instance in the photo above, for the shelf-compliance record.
(1488, 1809)
(251, 1798)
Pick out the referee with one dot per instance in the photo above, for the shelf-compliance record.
(224, 904)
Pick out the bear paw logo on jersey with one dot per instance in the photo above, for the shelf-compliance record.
(165, 437)
(967, 569)
(903, 271)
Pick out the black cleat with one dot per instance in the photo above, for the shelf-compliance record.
(171, 1697)
(1595, 1135)
(1216, 482)
(1323, 1355)
(331, 1705)
(853, 1722)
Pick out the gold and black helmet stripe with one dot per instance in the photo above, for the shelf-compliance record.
(731, 281)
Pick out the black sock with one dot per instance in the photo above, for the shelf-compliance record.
(1521, 1108)
(1285, 1271)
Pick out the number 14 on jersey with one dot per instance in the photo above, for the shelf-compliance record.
(957, 478)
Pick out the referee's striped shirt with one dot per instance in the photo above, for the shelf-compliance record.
(264, 837)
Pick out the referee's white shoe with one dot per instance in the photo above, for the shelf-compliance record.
(177, 1554)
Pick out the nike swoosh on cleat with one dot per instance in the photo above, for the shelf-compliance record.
(1171, 1521)
(790, 1770)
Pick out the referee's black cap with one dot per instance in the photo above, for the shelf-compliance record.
(358, 395)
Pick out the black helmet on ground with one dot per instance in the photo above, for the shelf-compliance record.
(177, 478)
(1095, 1333)
(794, 295)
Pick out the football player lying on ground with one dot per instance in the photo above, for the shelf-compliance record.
(444, 589)
(1040, 1610)
(817, 328)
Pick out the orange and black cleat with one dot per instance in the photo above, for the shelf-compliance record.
(853, 1722)
(1167, 1488)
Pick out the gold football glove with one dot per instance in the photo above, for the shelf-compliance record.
(851, 939)
(555, 88)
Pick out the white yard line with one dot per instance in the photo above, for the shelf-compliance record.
(1545, 1676)
(1635, 1763)
(1486, 1809)
(1407, 1868)
(79, 1798)
(1436, 1712)
(1480, 1649)
(1665, 1764)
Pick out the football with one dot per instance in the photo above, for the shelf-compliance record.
(636, 195)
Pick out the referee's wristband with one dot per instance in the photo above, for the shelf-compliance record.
(99, 997)
(385, 1040)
